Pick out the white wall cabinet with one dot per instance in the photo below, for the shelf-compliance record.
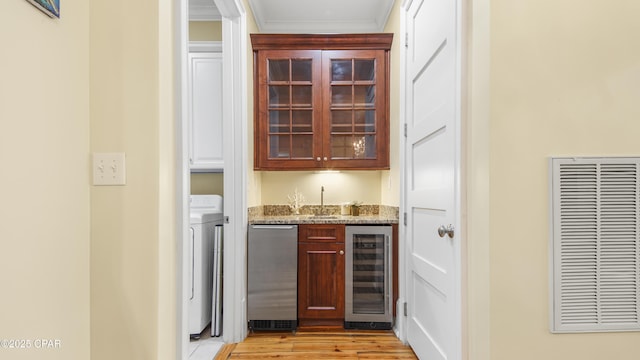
(205, 111)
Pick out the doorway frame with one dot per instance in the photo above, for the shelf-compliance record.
(234, 58)
(459, 293)
(475, 123)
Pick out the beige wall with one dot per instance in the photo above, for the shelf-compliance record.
(125, 117)
(341, 187)
(207, 183)
(44, 186)
(565, 80)
(205, 30)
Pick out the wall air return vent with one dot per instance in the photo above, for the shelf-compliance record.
(595, 244)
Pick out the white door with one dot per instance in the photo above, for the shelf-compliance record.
(432, 150)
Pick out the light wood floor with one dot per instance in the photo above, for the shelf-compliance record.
(311, 345)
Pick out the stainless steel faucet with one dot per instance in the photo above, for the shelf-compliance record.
(321, 200)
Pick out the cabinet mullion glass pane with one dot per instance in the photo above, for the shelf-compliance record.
(279, 96)
(278, 70)
(367, 149)
(341, 121)
(364, 121)
(364, 69)
(302, 121)
(279, 121)
(341, 95)
(301, 70)
(301, 96)
(302, 146)
(342, 146)
(280, 146)
(342, 70)
(365, 95)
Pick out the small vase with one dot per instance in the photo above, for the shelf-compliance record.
(355, 210)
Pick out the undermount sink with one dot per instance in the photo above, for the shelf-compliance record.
(327, 217)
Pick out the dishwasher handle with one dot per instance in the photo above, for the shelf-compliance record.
(273, 227)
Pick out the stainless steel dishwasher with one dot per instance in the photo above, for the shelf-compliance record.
(272, 280)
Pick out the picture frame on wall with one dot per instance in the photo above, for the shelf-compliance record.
(49, 7)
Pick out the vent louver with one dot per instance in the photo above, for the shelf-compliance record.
(273, 324)
(595, 244)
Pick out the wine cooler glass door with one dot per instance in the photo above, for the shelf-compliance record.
(368, 274)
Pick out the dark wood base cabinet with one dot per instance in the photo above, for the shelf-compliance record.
(321, 275)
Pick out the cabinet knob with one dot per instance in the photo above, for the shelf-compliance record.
(325, 158)
(318, 158)
(341, 252)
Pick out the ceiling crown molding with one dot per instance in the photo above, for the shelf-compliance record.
(321, 17)
(203, 10)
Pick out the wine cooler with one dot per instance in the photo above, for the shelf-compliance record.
(368, 277)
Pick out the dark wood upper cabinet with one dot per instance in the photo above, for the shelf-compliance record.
(321, 101)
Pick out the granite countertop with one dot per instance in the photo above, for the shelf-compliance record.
(281, 214)
(330, 219)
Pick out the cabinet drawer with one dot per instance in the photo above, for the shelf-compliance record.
(333, 233)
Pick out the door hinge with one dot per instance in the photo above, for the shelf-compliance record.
(405, 309)
(405, 219)
(405, 130)
(406, 40)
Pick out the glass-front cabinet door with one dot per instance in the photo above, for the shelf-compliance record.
(355, 127)
(289, 100)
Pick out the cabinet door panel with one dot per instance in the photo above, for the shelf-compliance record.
(321, 273)
(205, 111)
(321, 281)
(288, 110)
(356, 109)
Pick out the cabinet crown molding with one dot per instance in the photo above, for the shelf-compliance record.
(373, 41)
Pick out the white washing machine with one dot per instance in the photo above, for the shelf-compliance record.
(205, 243)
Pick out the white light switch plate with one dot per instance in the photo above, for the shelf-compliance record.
(108, 169)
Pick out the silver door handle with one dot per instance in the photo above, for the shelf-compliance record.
(272, 227)
(446, 230)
